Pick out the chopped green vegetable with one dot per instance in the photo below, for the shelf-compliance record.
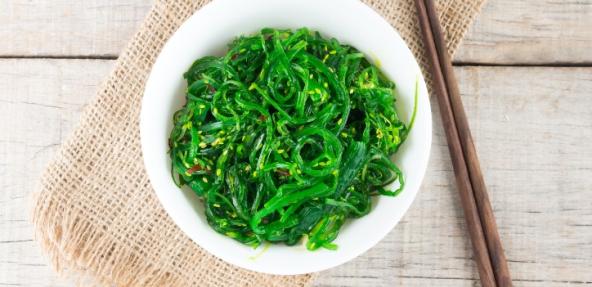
(286, 136)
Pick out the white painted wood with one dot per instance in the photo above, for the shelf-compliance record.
(68, 28)
(530, 32)
(40, 102)
(507, 31)
(531, 126)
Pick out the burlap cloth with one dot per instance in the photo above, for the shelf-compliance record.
(97, 216)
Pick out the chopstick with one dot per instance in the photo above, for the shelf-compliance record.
(458, 162)
(490, 258)
(494, 244)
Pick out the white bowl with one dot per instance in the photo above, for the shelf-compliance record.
(208, 32)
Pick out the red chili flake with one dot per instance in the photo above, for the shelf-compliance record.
(211, 88)
(234, 57)
(262, 117)
(194, 168)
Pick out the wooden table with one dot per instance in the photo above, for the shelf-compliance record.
(525, 72)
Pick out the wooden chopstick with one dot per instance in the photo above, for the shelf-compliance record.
(492, 238)
(465, 188)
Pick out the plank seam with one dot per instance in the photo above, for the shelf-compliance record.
(455, 63)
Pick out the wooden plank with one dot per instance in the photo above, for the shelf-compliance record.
(529, 125)
(507, 31)
(40, 102)
(98, 28)
(530, 32)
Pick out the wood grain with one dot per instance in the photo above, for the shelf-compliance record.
(64, 28)
(530, 32)
(40, 102)
(531, 127)
(506, 31)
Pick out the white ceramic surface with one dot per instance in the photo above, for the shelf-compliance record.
(207, 32)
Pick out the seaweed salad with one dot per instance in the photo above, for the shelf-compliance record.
(286, 136)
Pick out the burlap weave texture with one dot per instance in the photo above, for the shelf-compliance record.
(97, 216)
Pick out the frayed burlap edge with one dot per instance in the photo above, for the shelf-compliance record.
(96, 215)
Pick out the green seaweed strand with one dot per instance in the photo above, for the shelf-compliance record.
(286, 136)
